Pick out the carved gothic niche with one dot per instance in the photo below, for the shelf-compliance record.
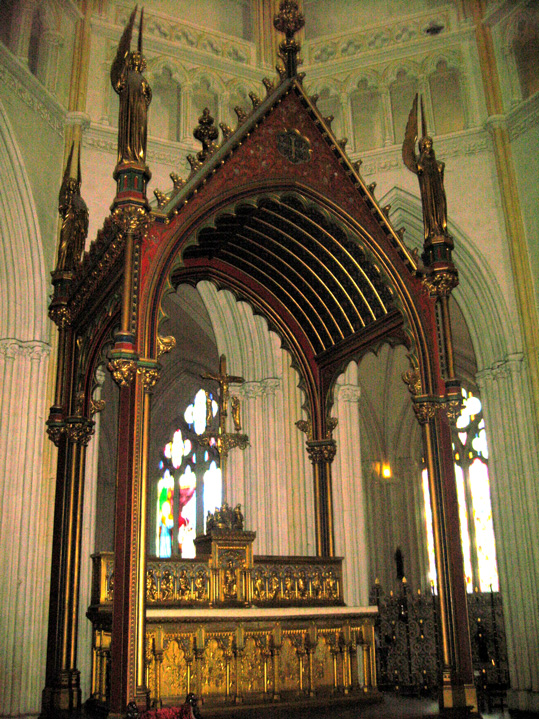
(447, 98)
(402, 92)
(367, 116)
(525, 47)
(166, 109)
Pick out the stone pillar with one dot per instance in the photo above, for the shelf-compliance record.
(25, 525)
(346, 114)
(513, 469)
(387, 114)
(266, 511)
(348, 492)
(21, 29)
(267, 39)
(47, 70)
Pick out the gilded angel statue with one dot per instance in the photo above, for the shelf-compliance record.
(74, 213)
(429, 171)
(135, 96)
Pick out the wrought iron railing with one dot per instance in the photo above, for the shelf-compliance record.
(408, 644)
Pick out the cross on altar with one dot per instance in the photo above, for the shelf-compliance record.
(224, 380)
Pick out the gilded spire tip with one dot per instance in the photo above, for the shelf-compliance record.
(289, 20)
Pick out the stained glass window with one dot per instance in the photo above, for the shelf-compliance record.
(189, 483)
(473, 491)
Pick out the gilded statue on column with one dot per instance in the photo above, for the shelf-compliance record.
(74, 213)
(135, 96)
(429, 171)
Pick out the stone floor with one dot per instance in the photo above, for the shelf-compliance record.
(390, 707)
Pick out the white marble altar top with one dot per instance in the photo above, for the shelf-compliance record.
(260, 613)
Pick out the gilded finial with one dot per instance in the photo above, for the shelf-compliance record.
(342, 143)
(178, 181)
(206, 133)
(194, 162)
(289, 20)
(371, 188)
(254, 99)
(226, 130)
(161, 198)
(328, 120)
(268, 84)
(240, 112)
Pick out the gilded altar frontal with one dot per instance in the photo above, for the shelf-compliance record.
(268, 356)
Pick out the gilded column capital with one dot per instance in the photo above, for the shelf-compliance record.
(61, 316)
(425, 408)
(441, 283)
(150, 376)
(55, 430)
(133, 219)
(453, 407)
(321, 450)
(123, 370)
(79, 430)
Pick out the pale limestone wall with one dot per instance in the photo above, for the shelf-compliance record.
(213, 52)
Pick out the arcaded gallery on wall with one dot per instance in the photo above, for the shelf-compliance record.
(269, 354)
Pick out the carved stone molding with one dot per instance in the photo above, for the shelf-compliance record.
(503, 369)
(321, 450)
(348, 393)
(35, 350)
(123, 371)
(263, 388)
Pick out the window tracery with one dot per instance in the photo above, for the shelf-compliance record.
(470, 450)
(190, 483)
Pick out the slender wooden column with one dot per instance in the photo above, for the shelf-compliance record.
(62, 689)
(456, 687)
(321, 453)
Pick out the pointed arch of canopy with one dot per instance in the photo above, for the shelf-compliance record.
(302, 240)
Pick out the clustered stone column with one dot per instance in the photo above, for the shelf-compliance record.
(25, 492)
(348, 494)
(505, 397)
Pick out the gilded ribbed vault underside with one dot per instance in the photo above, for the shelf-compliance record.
(309, 264)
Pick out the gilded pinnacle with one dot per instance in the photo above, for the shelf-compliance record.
(289, 19)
